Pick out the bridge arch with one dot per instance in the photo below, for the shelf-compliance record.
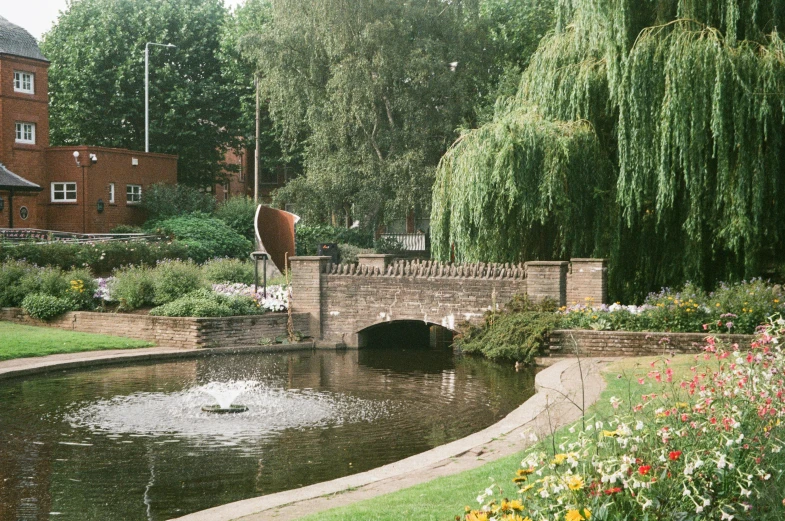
(405, 333)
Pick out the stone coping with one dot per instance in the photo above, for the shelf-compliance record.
(43, 364)
(553, 406)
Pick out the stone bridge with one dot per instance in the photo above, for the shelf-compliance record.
(344, 300)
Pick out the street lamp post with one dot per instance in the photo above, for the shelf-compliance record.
(147, 90)
(91, 160)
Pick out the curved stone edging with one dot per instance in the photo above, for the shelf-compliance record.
(554, 405)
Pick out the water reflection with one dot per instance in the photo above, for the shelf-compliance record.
(52, 467)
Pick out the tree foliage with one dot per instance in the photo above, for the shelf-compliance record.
(685, 102)
(96, 80)
(367, 90)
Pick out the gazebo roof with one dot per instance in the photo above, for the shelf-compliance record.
(11, 181)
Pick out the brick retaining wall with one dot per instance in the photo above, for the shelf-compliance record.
(185, 333)
(626, 343)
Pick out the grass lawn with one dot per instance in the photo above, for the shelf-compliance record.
(444, 498)
(17, 341)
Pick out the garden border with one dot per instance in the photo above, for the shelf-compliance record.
(178, 332)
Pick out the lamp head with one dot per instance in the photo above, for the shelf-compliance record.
(76, 154)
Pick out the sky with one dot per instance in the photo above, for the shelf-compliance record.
(18, 12)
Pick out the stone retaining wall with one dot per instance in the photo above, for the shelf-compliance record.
(626, 343)
(185, 333)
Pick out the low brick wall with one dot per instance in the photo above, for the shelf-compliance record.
(626, 343)
(185, 333)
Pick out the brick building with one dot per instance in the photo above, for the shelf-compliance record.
(240, 179)
(91, 192)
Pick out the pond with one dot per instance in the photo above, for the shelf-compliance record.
(132, 442)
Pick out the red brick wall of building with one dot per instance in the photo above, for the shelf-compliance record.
(24, 160)
(113, 166)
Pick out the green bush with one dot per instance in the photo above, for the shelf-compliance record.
(516, 336)
(388, 245)
(205, 303)
(220, 271)
(126, 228)
(101, 258)
(308, 238)
(349, 253)
(133, 287)
(47, 280)
(81, 288)
(162, 201)
(45, 307)
(206, 237)
(174, 278)
(238, 213)
(11, 274)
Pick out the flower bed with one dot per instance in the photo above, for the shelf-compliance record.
(708, 445)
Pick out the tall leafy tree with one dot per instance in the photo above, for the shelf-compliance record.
(682, 98)
(367, 89)
(96, 79)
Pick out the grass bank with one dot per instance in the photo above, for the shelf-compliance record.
(444, 498)
(18, 341)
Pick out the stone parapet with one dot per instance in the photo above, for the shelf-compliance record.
(587, 281)
(547, 279)
(307, 290)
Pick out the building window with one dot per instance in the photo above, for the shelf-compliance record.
(111, 193)
(133, 194)
(24, 213)
(25, 133)
(63, 192)
(24, 82)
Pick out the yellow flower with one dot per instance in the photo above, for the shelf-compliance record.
(559, 459)
(610, 434)
(717, 304)
(516, 504)
(574, 515)
(524, 472)
(575, 482)
(527, 488)
(587, 513)
(477, 516)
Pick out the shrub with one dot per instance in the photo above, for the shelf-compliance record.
(174, 278)
(220, 271)
(388, 245)
(206, 237)
(349, 253)
(205, 303)
(48, 281)
(11, 291)
(82, 287)
(101, 257)
(238, 213)
(133, 287)
(308, 237)
(45, 307)
(509, 336)
(162, 201)
(126, 228)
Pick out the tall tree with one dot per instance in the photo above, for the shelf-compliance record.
(368, 90)
(96, 80)
(684, 100)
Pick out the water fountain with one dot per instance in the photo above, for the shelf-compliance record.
(225, 394)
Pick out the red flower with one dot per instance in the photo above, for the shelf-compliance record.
(644, 469)
(614, 490)
(674, 455)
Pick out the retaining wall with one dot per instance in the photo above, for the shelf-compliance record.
(185, 333)
(626, 343)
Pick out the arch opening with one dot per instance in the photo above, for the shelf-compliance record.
(406, 334)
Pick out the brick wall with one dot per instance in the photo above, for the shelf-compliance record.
(587, 279)
(186, 333)
(23, 159)
(113, 166)
(625, 343)
(547, 279)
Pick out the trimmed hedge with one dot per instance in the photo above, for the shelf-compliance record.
(206, 237)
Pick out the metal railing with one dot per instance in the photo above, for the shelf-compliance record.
(44, 236)
(410, 241)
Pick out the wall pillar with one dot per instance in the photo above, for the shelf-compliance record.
(307, 290)
(375, 260)
(587, 282)
(547, 279)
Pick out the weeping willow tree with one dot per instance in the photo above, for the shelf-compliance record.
(647, 131)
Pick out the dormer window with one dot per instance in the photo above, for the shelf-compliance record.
(25, 133)
(24, 82)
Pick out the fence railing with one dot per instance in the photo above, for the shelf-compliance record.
(41, 236)
(410, 241)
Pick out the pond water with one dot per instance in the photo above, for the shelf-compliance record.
(132, 442)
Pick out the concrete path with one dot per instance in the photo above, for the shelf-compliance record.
(558, 402)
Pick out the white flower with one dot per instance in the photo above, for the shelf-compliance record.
(686, 492)
(721, 463)
(639, 426)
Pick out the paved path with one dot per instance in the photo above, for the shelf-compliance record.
(557, 403)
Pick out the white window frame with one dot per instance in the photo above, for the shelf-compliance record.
(24, 82)
(111, 193)
(62, 187)
(133, 194)
(24, 132)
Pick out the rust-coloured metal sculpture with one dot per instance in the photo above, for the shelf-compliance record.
(275, 234)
